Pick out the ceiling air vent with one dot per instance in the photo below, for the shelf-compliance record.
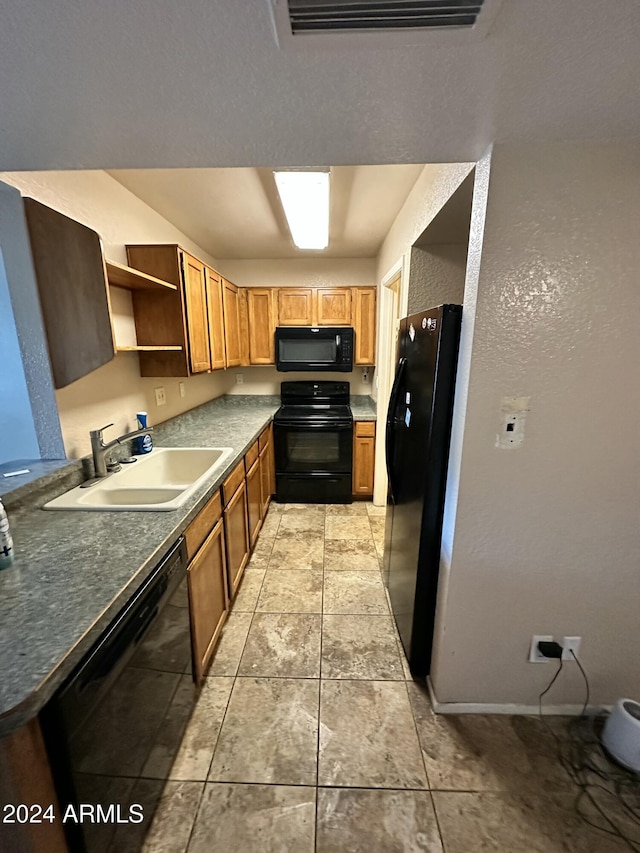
(309, 17)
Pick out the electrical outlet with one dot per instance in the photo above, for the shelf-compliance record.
(239, 378)
(160, 397)
(182, 390)
(534, 654)
(365, 374)
(570, 644)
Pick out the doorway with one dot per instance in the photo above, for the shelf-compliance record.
(392, 293)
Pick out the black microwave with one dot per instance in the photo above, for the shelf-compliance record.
(314, 348)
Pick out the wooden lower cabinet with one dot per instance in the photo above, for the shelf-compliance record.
(267, 468)
(364, 445)
(236, 537)
(254, 501)
(208, 599)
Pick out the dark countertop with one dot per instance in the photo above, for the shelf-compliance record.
(34, 469)
(363, 408)
(75, 570)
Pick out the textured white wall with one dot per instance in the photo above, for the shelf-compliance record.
(305, 272)
(547, 537)
(115, 392)
(436, 276)
(434, 187)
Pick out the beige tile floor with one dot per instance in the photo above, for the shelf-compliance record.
(311, 737)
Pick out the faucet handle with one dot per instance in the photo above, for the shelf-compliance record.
(97, 433)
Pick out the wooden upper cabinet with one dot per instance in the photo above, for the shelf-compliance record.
(216, 319)
(74, 297)
(160, 318)
(261, 322)
(195, 295)
(333, 306)
(231, 323)
(243, 326)
(295, 306)
(364, 323)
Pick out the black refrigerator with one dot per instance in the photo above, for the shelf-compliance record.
(418, 432)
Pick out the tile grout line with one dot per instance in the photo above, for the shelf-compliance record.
(315, 827)
(424, 764)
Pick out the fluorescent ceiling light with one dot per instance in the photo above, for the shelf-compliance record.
(305, 199)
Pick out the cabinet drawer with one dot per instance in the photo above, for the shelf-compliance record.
(202, 525)
(365, 428)
(232, 482)
(263, 440)
(251, 455)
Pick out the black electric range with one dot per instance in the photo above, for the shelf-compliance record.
(313, 435)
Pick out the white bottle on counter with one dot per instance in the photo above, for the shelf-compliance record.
(6, 542)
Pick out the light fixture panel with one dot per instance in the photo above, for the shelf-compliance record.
(305, 200)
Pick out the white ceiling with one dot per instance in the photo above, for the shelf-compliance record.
(236, 213)
(155, 83)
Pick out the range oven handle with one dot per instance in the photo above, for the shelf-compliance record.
(305, 425)
(391, 422)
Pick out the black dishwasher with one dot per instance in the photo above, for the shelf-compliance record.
(114, 727)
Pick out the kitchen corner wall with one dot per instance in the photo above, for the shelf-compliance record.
(546, 538)
(115, 392)
(296, 272)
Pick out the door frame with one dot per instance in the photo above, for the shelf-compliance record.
(392, 308)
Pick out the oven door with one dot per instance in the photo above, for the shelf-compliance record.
(313, 448)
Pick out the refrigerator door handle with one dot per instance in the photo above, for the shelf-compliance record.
(391, 422)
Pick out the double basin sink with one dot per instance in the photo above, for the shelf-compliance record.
(162, 480)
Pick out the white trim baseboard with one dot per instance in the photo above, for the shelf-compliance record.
(507, 708)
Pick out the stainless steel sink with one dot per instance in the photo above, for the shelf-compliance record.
(162, 480)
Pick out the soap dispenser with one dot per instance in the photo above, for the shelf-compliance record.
(143, 443)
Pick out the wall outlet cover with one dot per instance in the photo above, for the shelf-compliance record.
(160, 396)
(534, 654)
(570, 644)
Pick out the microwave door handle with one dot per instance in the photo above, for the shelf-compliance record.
(338, 340)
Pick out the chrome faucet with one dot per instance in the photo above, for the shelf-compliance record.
(100, 449)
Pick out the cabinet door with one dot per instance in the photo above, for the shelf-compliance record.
(295, 306)
(265, 481)
(261, 325)
(363, 457)
(272, 463)
(72, 283)
(231, 323)
(195, 297)
(254, 502)
(364, 323)
(208, 601)
(267, 469)
(236, 539)
(243, 326)
(334, 306)
(216, 320)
